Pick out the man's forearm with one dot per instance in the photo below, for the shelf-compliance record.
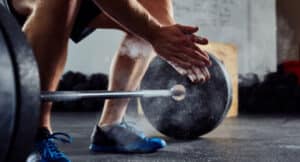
(131, 15)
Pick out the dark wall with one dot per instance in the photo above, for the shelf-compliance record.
(288, 25)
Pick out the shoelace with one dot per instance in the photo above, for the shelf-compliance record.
(62, 137)
(131, 126)
(50, 148)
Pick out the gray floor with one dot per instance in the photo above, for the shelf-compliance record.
(259, 139)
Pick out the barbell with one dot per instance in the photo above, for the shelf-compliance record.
(177, 93)
(182, 112)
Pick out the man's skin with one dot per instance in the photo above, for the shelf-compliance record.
(146, 23)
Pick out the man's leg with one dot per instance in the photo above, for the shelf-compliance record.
(127, 71)
(47, 30)
(132, 59)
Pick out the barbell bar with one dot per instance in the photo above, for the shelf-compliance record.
(177, 92)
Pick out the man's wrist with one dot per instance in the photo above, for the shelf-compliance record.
(152, 32)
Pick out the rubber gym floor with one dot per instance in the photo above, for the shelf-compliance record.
(246, 138)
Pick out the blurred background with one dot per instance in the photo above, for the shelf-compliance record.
(258, 42)
(263, 58)
(248, 24)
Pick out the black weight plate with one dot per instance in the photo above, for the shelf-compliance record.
(28, 88)
(204, 107)
(7, 98)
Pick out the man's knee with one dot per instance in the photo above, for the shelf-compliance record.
(135, 47)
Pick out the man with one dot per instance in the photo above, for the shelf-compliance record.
(151, 31)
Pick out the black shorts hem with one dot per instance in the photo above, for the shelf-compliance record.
(87, 12)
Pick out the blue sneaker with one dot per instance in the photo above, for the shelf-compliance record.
(47, 151)
(122, 138)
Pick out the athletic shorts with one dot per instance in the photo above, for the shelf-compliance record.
(87, 12)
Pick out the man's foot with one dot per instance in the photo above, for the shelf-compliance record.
(122, 138)
(46, 149)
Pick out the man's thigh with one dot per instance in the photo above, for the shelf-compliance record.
(162, 10)
(55, 16)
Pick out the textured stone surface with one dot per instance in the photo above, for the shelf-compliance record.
(257, 139)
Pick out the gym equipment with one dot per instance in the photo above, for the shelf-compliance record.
(204, 107)
(175, 92)
(7, 99)
(21, 102)
(201, 109)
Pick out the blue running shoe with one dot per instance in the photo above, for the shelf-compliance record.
(47, 151)
(122, 138)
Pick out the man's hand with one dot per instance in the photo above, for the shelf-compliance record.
(177, 44)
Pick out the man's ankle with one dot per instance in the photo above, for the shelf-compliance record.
(42, 133)
(110, 123)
